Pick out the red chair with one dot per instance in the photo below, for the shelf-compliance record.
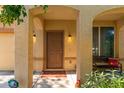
(114, 63)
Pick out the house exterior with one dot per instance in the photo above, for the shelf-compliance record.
(63, 34)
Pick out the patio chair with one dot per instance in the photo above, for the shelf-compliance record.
(114, 63)
(103, 63)
(100, 62)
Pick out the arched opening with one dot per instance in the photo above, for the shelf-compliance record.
(54, 45)
(107, 38)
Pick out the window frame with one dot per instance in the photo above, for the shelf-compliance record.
(99, 37)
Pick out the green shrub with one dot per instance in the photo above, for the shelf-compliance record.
(104, 80)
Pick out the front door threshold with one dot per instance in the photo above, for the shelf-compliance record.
(54, 70)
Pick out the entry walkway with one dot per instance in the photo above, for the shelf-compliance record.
(38, 82)
(56, 82)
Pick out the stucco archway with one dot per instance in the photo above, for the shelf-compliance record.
(112, 18)
(55, 15)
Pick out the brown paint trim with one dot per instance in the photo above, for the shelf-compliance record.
(68, 58)
(6, 30)
(30, 51)
(38, 58)
(121, 59)
(44, 50)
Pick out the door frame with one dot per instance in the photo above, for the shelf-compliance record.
(45, 48)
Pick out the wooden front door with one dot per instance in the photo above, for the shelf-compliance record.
(54, 50)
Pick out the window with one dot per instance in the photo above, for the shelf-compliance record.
(103, 41)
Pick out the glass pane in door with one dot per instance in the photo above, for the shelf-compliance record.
(107, 41)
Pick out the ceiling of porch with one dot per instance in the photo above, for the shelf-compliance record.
(57, 13)
(111, 15)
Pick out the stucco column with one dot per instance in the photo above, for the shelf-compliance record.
(121, 46)
(119, 41)
(23, 54)
(84, 46)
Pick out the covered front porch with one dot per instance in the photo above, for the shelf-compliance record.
(84, 44)
(107, 40)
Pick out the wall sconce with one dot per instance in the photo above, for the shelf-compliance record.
(69, 38)
(34, 37)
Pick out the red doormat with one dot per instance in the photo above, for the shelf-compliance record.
(53, 74)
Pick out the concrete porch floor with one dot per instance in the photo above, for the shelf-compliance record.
(55, 82)
(38, 82)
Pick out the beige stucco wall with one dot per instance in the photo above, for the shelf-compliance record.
(7, 51)
(68, 26)
(38, 45)
(104, 23)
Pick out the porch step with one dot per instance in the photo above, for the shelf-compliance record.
(54, 70)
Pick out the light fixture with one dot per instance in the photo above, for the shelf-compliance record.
(69, 38)
(34, 37)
